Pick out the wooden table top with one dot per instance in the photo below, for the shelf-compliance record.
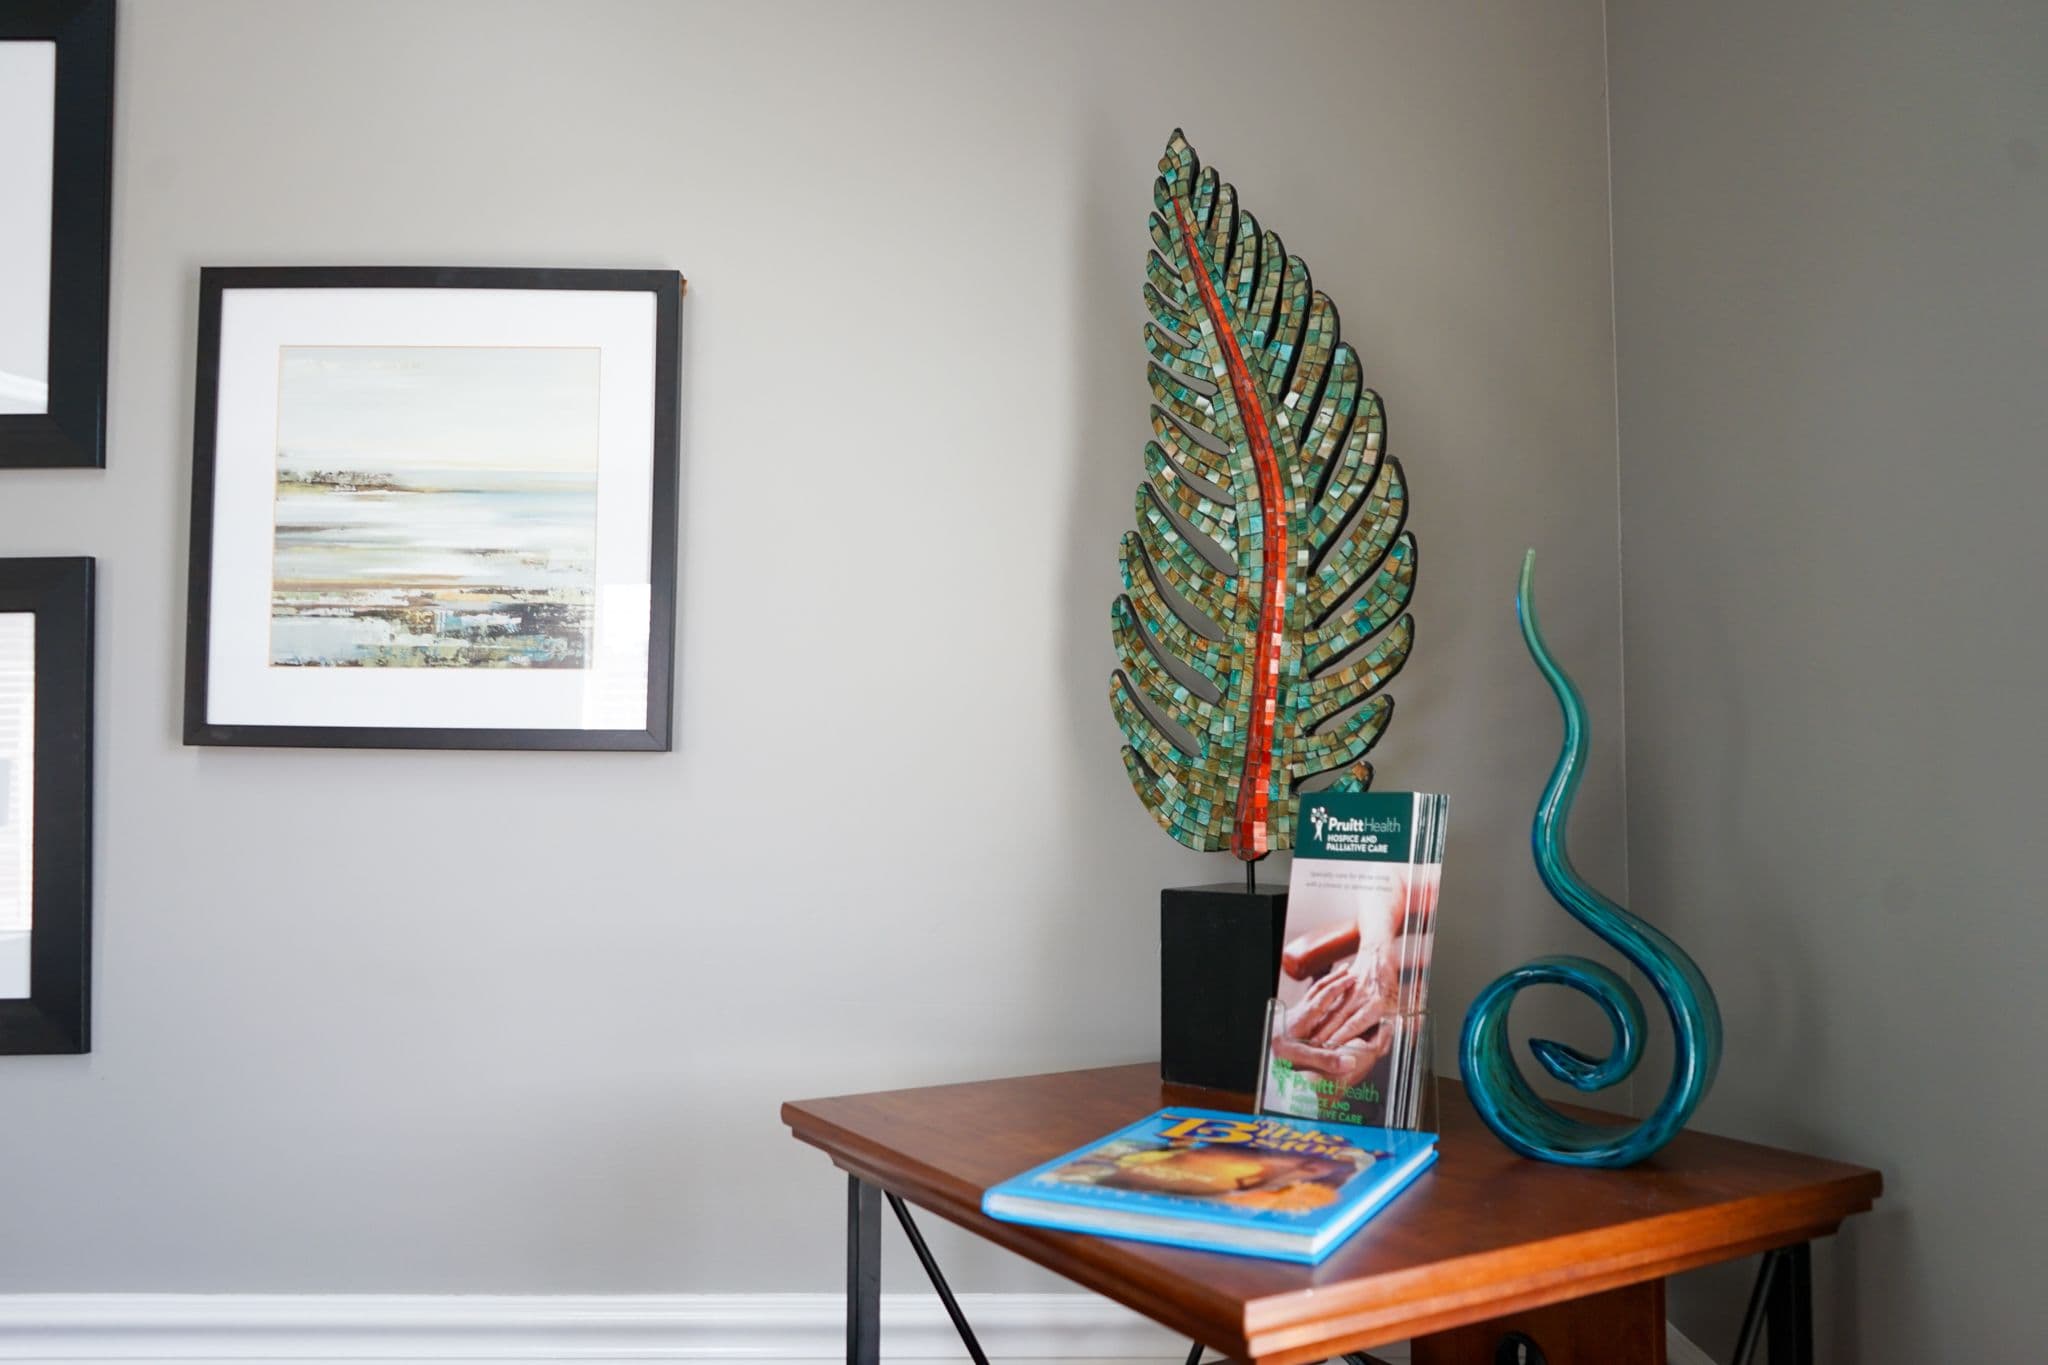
(1483, 1233)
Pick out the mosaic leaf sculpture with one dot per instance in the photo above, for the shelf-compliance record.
(1503, 1097)
(1267, 581)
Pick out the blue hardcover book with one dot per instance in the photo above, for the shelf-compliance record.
(1253, 1185)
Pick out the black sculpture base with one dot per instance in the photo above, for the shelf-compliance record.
(1219, 960)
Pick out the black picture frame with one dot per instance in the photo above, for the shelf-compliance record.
(56, 1016)
(72, 432)
(666, 287)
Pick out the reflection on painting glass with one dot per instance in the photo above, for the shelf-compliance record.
(436, 507)
(28, 122)
(17, 795)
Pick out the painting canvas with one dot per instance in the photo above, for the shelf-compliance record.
(28, 102)
(436, 507)
(56, 230)
(17, 794)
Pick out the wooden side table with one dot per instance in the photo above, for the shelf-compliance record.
(1485, 1256)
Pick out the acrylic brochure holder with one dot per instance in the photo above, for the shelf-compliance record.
(1347, 1024)
(1388, 1081)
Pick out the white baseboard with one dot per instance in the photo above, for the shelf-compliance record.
(407, 1329)
(762, 1329)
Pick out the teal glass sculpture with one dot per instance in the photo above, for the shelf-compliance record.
(1499, 1091)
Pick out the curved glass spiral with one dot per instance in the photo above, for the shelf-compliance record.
(1503, 1097)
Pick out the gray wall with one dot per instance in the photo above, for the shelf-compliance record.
(1833, 314)
(895, 844)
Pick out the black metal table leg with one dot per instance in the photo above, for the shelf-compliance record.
(1753, 1316)
(1791, 1311)
(863, 1272)
(1780, 1309)
(938, 1279)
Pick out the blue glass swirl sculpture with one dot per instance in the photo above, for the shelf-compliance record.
(1503, 1097)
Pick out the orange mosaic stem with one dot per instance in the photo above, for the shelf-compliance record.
(1251, 836)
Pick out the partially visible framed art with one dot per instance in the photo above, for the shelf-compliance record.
(56, 213)
(46, 692)
(434, 509)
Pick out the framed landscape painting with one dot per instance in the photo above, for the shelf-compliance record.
(434, 508)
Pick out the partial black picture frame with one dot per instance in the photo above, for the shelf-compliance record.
(72, 432)
(56, 1016)
(666, 288)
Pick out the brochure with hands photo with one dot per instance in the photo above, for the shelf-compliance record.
(1348, 1030)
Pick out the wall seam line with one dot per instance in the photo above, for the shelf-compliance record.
(1620, 557)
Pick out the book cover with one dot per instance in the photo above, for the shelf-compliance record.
(1349, 1034)
(1251, 1185)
